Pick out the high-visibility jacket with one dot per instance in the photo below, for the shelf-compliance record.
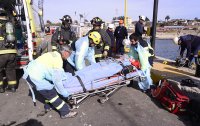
(40, 72)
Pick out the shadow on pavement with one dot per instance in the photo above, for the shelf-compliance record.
(31, 122)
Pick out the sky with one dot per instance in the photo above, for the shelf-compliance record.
(107, 9)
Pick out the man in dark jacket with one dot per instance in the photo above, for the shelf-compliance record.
(139, 26)
(64, 35)
(120, 34)
(110, 32)
(191, 43)
(102, 49)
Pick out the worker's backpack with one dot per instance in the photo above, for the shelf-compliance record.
(170, 97)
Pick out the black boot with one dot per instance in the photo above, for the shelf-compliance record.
(2, 90)
(11, 88)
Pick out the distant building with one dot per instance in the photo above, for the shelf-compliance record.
(129, 21)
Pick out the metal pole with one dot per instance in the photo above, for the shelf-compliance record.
(155, 12)
(125, 13)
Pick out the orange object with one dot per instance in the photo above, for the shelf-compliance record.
(171, 97)
(135, 63)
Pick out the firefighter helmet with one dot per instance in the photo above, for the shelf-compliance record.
(96, 21)
(66, 19)
(95, 36)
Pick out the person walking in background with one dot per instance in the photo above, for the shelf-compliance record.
(139, 26)
(110, 32)
(120, 34)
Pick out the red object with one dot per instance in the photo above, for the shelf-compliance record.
(135, 63)
(170, 97)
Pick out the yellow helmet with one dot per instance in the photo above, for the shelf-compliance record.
(95, 36)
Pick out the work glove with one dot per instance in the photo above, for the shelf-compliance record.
(105, 53)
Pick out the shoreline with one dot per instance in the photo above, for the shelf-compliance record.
(171, 34)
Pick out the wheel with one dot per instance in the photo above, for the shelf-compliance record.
(102, 94)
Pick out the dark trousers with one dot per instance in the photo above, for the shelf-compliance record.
(52, 98)
(68, 67)
(110, 53)
(119, 46)
(8, 62)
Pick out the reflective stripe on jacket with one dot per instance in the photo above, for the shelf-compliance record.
(40, 71)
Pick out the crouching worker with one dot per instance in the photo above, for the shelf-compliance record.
(39, 74)
(191, 43)
(138, 53)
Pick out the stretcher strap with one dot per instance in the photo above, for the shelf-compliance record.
(81, 82)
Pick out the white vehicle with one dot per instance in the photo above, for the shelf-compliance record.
(29, 14)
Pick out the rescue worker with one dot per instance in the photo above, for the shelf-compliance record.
(101, 50)
(39, 74)
(191, 43)
(147, 47)
(64, 35)
(110, 32)
(84, 48)
(120, 34)
(139, 26)
(7, 52)
(138, 53)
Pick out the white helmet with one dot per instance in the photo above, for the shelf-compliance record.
(141, 17)
(175, 40)
(111, 26)
(126, 42)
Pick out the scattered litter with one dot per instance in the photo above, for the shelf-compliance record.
(85, 124)
(120, 104)
(50, 116)
(83, 113)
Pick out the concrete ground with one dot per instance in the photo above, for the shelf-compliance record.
(128, 107)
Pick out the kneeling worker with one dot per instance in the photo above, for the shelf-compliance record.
(39, 74)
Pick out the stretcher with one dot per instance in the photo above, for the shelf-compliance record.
(80, 87)
(109, 86)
